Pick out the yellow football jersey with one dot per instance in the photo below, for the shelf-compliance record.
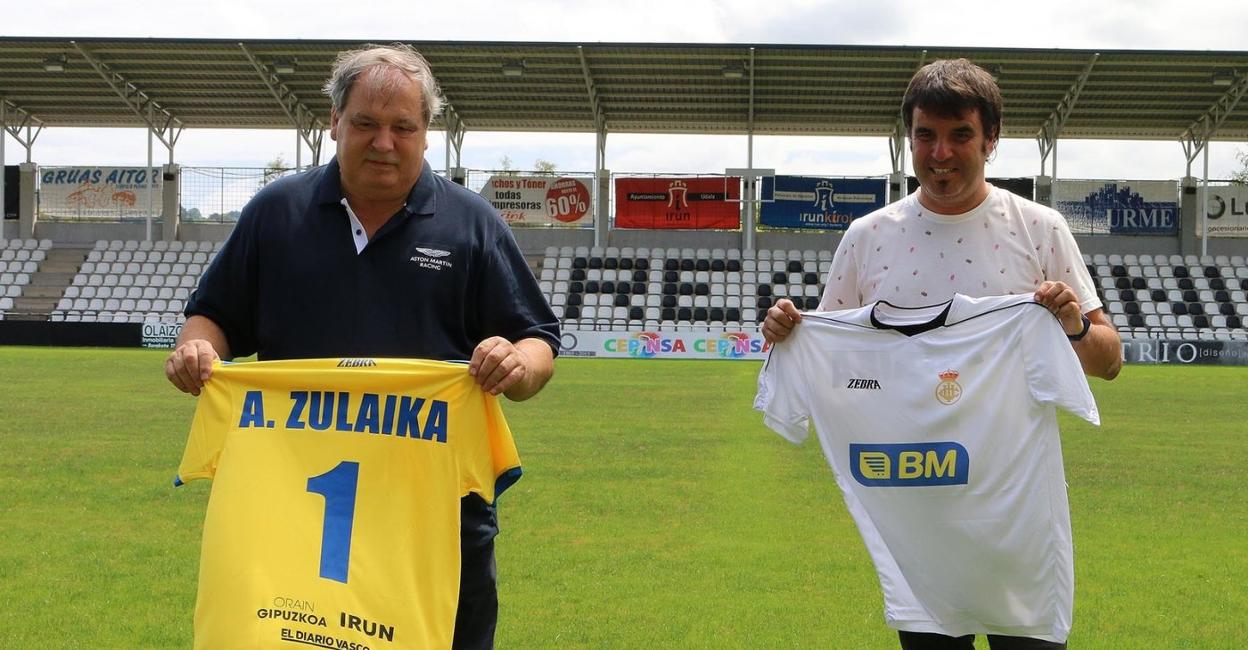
(333, 520)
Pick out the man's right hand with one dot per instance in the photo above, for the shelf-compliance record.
(780, 321)
(190, 365)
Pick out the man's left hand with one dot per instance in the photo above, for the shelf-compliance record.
(498, 365)
(1062, 302)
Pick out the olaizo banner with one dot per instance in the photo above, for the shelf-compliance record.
(819, 203)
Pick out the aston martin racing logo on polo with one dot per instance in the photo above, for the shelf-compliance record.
(434, 259)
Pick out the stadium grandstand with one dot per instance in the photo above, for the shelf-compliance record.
(75, 249)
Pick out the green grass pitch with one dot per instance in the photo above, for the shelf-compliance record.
(656, 511)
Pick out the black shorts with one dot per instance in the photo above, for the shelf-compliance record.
(477, 614)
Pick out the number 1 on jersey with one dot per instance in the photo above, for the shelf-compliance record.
(338, 486)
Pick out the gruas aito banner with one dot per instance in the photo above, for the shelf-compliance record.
(686, 203)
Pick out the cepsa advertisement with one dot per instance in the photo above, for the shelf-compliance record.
(540, 200)
(664, 345)
(692, 203)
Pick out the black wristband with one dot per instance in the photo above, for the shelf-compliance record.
(1087, 325)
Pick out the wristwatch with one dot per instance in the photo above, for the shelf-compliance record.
(1087, 325)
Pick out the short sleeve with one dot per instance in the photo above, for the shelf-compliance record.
(509, 302)
(1065, 264)
(841, 285)
(208, 429)
(227, 292)
(781, 395)
(1054, 373)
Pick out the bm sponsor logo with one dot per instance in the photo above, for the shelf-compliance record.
(911, 464)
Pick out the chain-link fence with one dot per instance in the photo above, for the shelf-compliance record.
(218, 194)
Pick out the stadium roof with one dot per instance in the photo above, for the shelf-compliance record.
(633, 87)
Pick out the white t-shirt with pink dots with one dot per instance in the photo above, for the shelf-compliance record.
(910, 256)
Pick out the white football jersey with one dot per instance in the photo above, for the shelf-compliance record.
(941, 428)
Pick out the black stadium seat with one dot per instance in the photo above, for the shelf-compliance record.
(576, 287)
(670, 301)
(1127, 295)
(621, 300)
(700, 314)
(686, 265)
(718, 265)
(642, 264)
(607, 286)
(763, 304)
(626, 264)
(571, 311)
(579, 263)
(812, 303)
(1190, 295)
(668, 313)
(636, 313)
(1178, 308)
(794, 266)
(1217, 284)
(732, 314)
(684, 314)
(1226, 309)
(574, 299)
(592, 287)
(1158, 295)
(1201, 321)
(779, 277)
(1131, 308)
(639, 288)
(610, 263)
(1118, 271)
(764, 290)
(1222, 295)
(1139, 283)
(671, 276)
(702, 265)
(716, 315)
(686, 288)
(669, 289)
(1122, 283)
(1181, 272)
(1195, 309)
(702, 289)
(595, 262)
(1243, 284)
(639, 276)
(671, 264)
(1135, 320)
(578, 274)
(733, 266)
(1234, 322)
(1212, 272)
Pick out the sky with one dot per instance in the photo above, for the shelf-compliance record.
(1073, 24)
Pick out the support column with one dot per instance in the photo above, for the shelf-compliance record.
(602, 216)
(1189, 217)
(171, 210)
(1044, 190)
(27, 172)
(897, 152)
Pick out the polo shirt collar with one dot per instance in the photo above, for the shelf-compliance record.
(422, 200)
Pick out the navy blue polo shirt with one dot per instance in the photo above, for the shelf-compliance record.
(440, 276)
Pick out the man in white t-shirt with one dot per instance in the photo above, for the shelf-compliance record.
(959, 234)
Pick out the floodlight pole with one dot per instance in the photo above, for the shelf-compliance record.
(151, 180)
(747, 228)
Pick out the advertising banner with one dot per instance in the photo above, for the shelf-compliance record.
(540, 200)
(1024, 186)
(1204, 353)
(1119, 207)
(819, 203)
(98, 192)
(703, 202)
(664, 345)
(1228, 211)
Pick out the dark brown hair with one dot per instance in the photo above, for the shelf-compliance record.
(949, 88)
